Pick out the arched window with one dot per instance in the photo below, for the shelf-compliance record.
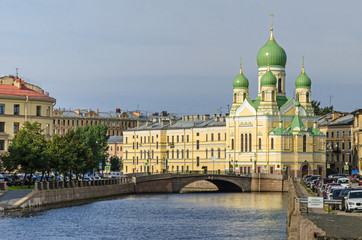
(234, 97)
(273, 96)
(212, 152)
(218, 153)
(206, 153)
(244, 96)
(259, 143)
(308, 96)
(279, 85)
(304, 143)
(242, 142)
(263, 96)
(246, 142)
(272, 143)
(232, 144)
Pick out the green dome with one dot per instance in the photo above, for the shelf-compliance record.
(297, 104)
(277, 55)
(240, 81)
(268, 80)
(303, 81)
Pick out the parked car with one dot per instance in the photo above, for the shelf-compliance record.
(335, 193)
(342, 196)
(331, 190)
(326, 190)
(353, 200)
(344, 182)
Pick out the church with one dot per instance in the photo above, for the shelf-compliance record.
(270, 134)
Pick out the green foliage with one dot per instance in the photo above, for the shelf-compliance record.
(76, 152)
(95, 137)
(320, 111)
(27, 150)
(115, 164)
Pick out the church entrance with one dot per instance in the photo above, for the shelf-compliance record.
(304, 170)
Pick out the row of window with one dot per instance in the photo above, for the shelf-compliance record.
(331, 133)
(178, 138)
(117, 149)
(15, 128)
(17, 110)
(337, 145)
(337, 158)
(91, 122)
(109, 132)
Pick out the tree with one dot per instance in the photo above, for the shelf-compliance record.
(115, 164)
(95, 137)
(27, 152)
(320, 111)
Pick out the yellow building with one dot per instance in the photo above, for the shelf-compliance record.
(338, 128)
(271, 134)
(21, 102)
(357, 140)
(192, 143)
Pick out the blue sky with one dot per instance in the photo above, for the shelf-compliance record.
(179, 56)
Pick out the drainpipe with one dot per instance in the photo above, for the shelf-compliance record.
(26, 107)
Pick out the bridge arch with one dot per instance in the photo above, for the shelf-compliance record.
(223, 183)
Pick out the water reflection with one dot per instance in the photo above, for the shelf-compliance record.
(168, 216)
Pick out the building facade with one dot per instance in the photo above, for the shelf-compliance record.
(117, 122)
(271, 134)
(343, 141)
(21, 102)
(115, 147)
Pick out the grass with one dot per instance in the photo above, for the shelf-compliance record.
(20, 187)
(308, 190)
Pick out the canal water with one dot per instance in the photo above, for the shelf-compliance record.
(166, 216)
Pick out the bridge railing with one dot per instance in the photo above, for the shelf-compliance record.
(190, 173)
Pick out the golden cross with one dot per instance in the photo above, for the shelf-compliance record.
(271, 15)
(240, 64)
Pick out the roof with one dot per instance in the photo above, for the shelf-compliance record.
(11, 90)
(180, 124)
(115, 139)
(340, 121)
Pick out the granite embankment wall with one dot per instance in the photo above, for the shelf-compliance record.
(298, 227)
(75, 191)
(264, 182)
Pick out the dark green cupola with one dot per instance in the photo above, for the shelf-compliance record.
(277, 55)
(240, 81)
(303, 81)
(268, 79)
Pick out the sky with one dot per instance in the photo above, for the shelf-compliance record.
(177, 56)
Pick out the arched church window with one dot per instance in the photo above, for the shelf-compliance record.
(244, 96)
(273, 96)
(246, 142)
(263, 96)
(304, 143)
(272, 143)
(279, 85)
(232, 144)
(308, 96)
(234, 97)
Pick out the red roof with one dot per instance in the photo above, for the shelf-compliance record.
(9, 90)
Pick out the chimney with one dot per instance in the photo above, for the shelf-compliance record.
(97, 110)
(118, 110)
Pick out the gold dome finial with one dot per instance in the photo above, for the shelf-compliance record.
(271, 29)
(240, 65)
(303, 66)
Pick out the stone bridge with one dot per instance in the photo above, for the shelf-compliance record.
(174, 183)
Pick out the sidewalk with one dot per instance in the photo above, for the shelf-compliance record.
(8, 199)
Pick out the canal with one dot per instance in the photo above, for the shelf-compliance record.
(167, 216)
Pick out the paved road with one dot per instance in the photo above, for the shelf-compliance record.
(9, 198)
(339, 224)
